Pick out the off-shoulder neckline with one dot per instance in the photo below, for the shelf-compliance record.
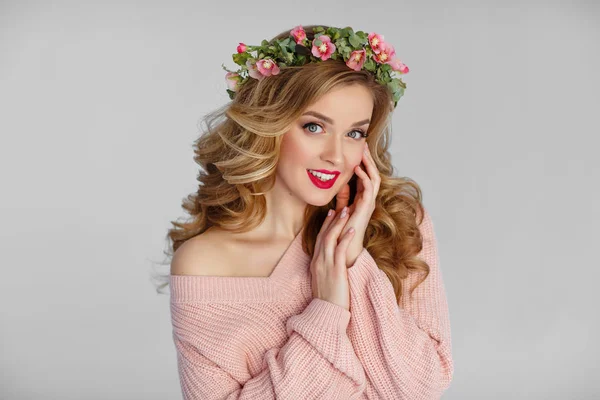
(206, 287)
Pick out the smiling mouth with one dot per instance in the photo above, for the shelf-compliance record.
(319, 181)
(322, 176)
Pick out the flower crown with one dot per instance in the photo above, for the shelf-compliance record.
(359, 50)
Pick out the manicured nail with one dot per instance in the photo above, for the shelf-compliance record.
(344, 212)
(329, 212)
(351, 230)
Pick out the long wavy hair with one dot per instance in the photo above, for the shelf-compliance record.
(239, 151)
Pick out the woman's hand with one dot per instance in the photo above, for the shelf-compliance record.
(363, 206)
(329, 275)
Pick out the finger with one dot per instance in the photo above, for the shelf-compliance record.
(342, 198)
(351, 208)
(370, 166)
(330, 240)
(366, 181)
(328, 219)
(342, 249)
(359, 186)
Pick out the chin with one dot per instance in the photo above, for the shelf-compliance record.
(319, 197)
(316, 197)
(319, 202)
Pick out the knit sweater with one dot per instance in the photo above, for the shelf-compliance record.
(268, 338)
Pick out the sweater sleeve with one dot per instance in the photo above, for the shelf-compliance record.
(405, 350)
(316, 362)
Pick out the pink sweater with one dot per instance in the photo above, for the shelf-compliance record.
(268, 338)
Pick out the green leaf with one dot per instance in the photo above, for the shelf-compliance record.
(317, 42)
(231, 93)
(355, 41)
(283, 48)
(370, 65)
(292, 46)
(363, 36)
(397, 95)
(301, 59)
(342, 42)
(347, 31)
(397, 84)
(393, 85)
(285, 42)
(319, 29)
(240, 58)
(346, 51)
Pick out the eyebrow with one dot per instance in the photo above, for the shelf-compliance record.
(330, 121)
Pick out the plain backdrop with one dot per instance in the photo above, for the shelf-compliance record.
(100, 103)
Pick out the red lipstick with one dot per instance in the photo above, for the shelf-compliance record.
(323, 184)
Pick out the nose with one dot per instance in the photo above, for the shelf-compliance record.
(333, 151)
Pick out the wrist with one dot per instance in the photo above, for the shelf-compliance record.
(352, 256)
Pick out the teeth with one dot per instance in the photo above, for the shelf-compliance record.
(321, 176)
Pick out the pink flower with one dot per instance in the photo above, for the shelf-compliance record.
(375, 41)
(399, 66)
(386, 53)
(241, 48)
(253, 70)
(298, 34)
(267, 67)
(232, 79)
(357, 59)
(326, 48)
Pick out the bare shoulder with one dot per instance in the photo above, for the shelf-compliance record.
(197, 256)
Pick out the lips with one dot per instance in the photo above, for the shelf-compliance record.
(321, 184)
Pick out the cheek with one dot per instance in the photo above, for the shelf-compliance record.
(352, 160)
(355, 159)
(295, 151)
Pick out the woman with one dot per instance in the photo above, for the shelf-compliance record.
(308, 271)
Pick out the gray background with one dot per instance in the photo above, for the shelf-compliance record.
(101, 102)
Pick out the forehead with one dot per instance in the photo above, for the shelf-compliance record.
(345, 104)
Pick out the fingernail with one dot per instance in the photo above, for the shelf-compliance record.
(329, 212)
(351, 230)
(343, 212)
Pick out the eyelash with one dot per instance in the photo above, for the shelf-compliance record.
(363, 134)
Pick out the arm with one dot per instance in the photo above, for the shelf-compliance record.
(406, 351)
(317, 361)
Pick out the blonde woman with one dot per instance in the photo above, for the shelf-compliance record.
(307, 270)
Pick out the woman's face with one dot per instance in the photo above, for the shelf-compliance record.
(328, 136)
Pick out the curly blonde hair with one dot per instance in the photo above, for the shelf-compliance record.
(239, 152)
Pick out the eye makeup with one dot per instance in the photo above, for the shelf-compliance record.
(362, 134)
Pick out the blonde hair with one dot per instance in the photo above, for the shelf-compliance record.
(239, 152)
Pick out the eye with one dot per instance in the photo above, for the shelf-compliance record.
(311, 124)
(359, 133)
